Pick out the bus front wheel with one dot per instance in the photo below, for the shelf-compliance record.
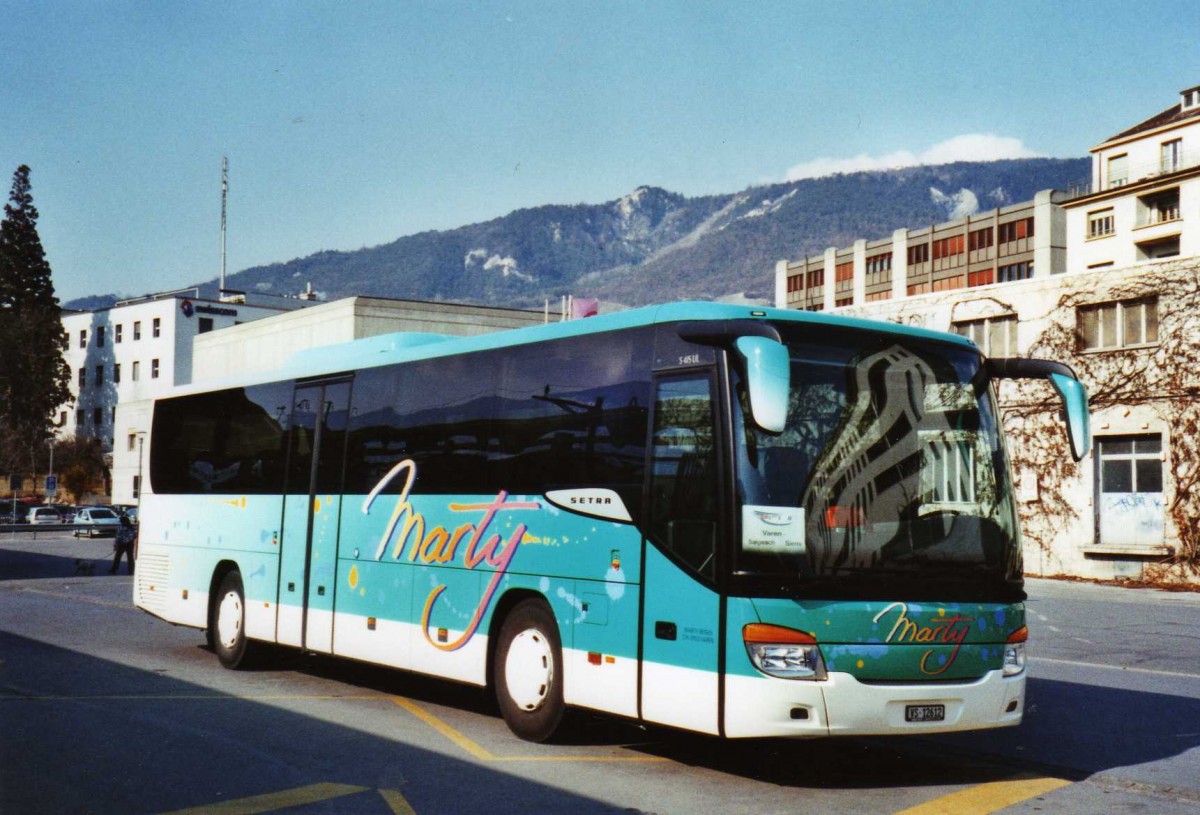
(228, 625)
(528, 672)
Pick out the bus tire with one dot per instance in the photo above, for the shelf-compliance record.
(528, 674)
(228, 627)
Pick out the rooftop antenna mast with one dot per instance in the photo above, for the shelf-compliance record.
(224, 197)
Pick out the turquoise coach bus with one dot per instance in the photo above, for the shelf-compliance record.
(735, 521)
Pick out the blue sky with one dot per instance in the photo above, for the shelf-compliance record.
(351, 124)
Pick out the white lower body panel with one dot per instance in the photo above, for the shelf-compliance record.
(841, 705)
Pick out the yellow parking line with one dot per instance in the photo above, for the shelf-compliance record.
(445, 729)
(397, 802)
(483, 755)
(312, 794)
(987, 798)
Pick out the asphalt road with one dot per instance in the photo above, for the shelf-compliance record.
(104, 709)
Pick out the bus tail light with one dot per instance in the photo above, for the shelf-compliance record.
(1014, 652)
(783, 652)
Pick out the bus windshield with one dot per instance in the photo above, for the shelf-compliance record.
(889, 479)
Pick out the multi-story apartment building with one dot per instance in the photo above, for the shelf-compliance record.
(1143, 181)
(1106, 279)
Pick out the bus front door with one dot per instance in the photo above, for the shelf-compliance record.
(312, 509)
(682, 609)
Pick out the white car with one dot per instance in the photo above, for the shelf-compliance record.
(44, 515)
(93, 521)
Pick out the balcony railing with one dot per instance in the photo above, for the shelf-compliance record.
(1136, 173)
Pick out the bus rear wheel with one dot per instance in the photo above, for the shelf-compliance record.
(228, 625)
(528, 672)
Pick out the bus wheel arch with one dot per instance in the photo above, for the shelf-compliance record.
(527, 667)
(226, 631)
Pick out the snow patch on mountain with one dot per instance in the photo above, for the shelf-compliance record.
(769, 206)
(957, 205)
(507, 265)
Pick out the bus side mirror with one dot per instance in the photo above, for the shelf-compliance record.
(768, 375)
(1068, 387)
(1075, 403)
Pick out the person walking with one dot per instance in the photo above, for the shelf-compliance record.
(124, 543)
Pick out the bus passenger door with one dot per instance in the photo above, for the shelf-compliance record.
(682, 610)
(312, 509)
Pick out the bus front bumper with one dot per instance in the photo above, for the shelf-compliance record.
(759, 706)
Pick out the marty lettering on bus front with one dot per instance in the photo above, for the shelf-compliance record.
(772, 529)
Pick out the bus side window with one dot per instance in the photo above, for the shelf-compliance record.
(683, 485)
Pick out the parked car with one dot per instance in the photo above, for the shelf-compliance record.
(95, 521)
(44, 515)
(9, 516)
(66, 511)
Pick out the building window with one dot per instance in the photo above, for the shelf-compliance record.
(1015, 271)
(1016, 230)
(1125, 324)
(137, 486)
(980, 239)
(1157, 249)
(843, 301)
(117, 373)
(118, 330)
(137, 369)
(918, 254)
(1100, 223)
(843, 271)
(1171, 156)
(1158, 207)
(83, 338)
(80, 417)
(1118, 170)
(205, 325)
(137, 329)
(995, 336)
(99, 375)
(156, 327)
(131, 442)
(879, 264)
(947, 247)
(99, 336)
(82, 376)
(97, 416)
(154, 369)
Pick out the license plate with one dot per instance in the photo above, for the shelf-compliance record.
(925, 713)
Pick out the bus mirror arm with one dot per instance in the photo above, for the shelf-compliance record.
(1070, 391)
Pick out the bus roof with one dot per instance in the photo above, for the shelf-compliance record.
(386, 349)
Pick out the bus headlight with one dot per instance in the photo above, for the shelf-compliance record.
(783, 652)
(1014, 652)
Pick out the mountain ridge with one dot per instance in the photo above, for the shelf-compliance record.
(654, 245)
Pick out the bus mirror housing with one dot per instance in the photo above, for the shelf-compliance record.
(764, 359)
(1068, 387)
(1075, 404)
(768, 374)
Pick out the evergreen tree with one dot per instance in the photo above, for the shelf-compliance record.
(33, 373)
